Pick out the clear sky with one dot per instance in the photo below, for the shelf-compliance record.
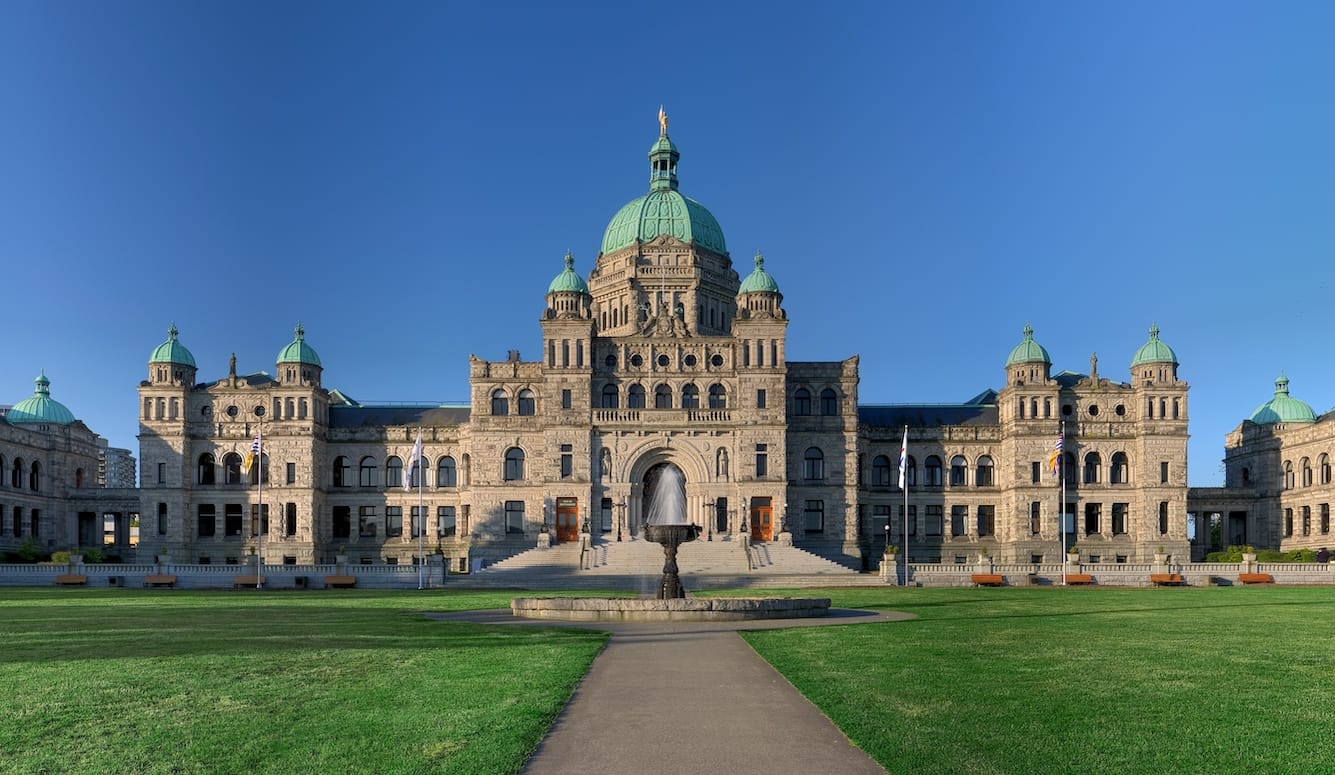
(923, 178)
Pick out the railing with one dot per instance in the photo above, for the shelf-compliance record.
(660, 416)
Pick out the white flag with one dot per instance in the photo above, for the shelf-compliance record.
(904, 459)
(414, 460)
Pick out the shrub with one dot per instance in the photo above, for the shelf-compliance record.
(60, 557)
(30, 551)
(92, 555)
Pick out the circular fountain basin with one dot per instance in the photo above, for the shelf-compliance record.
(709, 609)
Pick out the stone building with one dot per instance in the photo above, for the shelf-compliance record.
(664, 357)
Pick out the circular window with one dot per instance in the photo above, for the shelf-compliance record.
(717, 360)
(1120, 410)
(636, 360)
(259, 411)
(206, 410)
(1066, 410)
(663, 360)
(611, 361)
(1093, 411)
(690, 360)
(232, 410)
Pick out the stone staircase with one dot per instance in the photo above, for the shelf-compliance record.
(638, 564)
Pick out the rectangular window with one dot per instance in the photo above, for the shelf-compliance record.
(958, 516)
(934, 521)
(445, 527)
(208, 520)
(289, 519)
(987, 520)
(415, 519)
(514, 517)
(162, 473)
(162, 520)
(813, 516)
(1307, 520)
(342, 522)
(1119, 518)
(291, 473)
(762, 461)
(1035, 471)
(393, 521)
(606, 525)
(1325, 518)
(232, 519)
(1163, 473)
(1036, 559)
(18, 521)
(913, 519)
(259, 523)
(760, 398)
(880, 521)
(1068, 521)
(366, 527)
(566, 401)
(1163, 517)
(1035, 518)
(567, 461)
(1093, 513)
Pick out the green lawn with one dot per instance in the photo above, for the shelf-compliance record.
(1019, 681)
(125, 681)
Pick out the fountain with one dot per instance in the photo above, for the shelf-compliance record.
(666, 525)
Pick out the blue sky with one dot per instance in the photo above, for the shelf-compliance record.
(923, 179)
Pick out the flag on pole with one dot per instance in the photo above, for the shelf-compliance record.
(1057, 451)
(252, 454)
(904, 459)
(414, 460)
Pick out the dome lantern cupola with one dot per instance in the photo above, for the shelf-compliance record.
(1155, 360)
(298, 363)
(1028, 360)
(568, 294)
(1283, 408)
(171, 362)
(759, 294)
(41, 407)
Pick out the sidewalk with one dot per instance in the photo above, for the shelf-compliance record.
(690, 697)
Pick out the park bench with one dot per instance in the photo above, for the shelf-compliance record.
(340, 582)
(1079, 578)
(241, 582)
(71, 580)
(160, 580)
(1167, 579)
(1256, 578)
(988, 579)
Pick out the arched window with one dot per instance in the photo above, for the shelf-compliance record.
(2, 477)
(1307, 472)
(78, 477)
(231, 468)
(829, 403)
(984, 477)
(259, 468)
(690, 396)
(1118, 473)
(1288, 474)
(635, 396)
(813, 464)
(662, 397)
(447, 475)
(880, 471)
(718, 397)
(1068, 467)
(1093, 464)
(207, 469)
(393, 472)
(610, 397)
(1323, 463)
(35, 477)
(528, 405)
(368, 472)
(931, 469)
(801, 402)
(514, 464)
(415, 474)
(500, 403)
(910, 472)
(16, 475)
(959, 471)
(342, 474)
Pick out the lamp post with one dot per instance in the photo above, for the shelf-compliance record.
(259, 489)
(709, 520)
(621, 517)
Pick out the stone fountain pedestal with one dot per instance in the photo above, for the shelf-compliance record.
(671, 536)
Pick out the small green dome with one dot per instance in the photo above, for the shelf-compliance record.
(569, 280)
(172, 351)
(1028, 351)
(1154, 351)
(759, 281)
(298, 351)
(41, 407)
(1283, 408)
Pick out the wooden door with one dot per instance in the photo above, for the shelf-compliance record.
(762, 523)
(567, 520)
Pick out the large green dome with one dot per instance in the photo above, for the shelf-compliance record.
(569, 280)
(41, 407)
(1028, 351)
(759, 280)
(1283, 408)
(297, 351)
(1154, 351)
(663, 210)
(172, 351)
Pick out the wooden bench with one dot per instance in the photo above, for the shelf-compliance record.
(988, 579)
(340, 582)
(1256, 578)
(1167, 579)
(1079, 578)
(241, 582)
(71, 580)
(160, 580)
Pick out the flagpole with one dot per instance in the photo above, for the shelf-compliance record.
(259, 488)
(904, 485)
(1061, 466)
(421, 516)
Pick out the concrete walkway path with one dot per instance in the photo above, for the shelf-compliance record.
(690, 697)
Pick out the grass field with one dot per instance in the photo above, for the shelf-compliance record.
(1218, 680)
(984, 681)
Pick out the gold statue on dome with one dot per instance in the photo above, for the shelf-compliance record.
(662, 121)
